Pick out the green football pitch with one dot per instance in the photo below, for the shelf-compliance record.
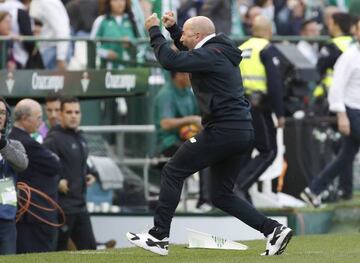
(317, 248)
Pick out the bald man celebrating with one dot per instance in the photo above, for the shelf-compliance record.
(224, 143)
(42, 173)
(263, 87)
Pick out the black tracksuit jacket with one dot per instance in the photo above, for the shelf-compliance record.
(215, 77)
(71, 147)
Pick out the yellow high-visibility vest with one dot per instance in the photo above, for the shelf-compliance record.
(342, 43)
(252, 69)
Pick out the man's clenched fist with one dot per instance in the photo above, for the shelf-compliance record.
(151, 21)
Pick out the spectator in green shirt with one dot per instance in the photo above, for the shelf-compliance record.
(117, 22)
(175, 106)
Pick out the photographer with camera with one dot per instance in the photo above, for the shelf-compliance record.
(13, 159)
(262, 82)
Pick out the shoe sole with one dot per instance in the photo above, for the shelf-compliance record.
(307, 200)
(129, 236)
(284, 243)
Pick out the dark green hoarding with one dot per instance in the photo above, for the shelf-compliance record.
(82, 84)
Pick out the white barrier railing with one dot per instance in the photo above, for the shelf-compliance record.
(119, 131)
(148, 128)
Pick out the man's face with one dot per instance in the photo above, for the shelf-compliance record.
(311, 30)
(2, 115)
(117, 6)
(33, 122)
(254, 12)
(189, 38)
(5, 26)
(53, 112)
(182, 80)
(71, 115)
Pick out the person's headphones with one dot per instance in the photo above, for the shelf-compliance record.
(7, 126)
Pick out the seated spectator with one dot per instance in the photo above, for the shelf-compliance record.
(175, 106)
(117, 22)
(55, 20)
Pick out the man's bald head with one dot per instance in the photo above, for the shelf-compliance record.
(28, 115)
(24, 108)
(202, 25)
(262, 27)
(196, 29)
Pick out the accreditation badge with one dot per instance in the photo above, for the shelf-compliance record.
(8, 192)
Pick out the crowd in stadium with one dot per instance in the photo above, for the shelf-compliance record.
(63, 19)
(253, 23)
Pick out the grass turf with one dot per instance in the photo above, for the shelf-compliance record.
(318, 248)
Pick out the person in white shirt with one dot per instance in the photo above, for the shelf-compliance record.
(55, 19)
(344, 100)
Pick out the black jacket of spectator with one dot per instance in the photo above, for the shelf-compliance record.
(221, 99)
(185, 7)
(41, 173)
(275, 87)
(71, 147)
(26, 30)
(82, 14)
(328, 56)
(219, 11)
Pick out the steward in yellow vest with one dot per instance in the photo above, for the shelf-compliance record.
(252, 68)
(339, 28)
(263, 87)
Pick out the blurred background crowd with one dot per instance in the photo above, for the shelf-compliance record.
(97, 18)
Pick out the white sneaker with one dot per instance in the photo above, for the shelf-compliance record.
(310, 198)
(277, 241)
(148, 242)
